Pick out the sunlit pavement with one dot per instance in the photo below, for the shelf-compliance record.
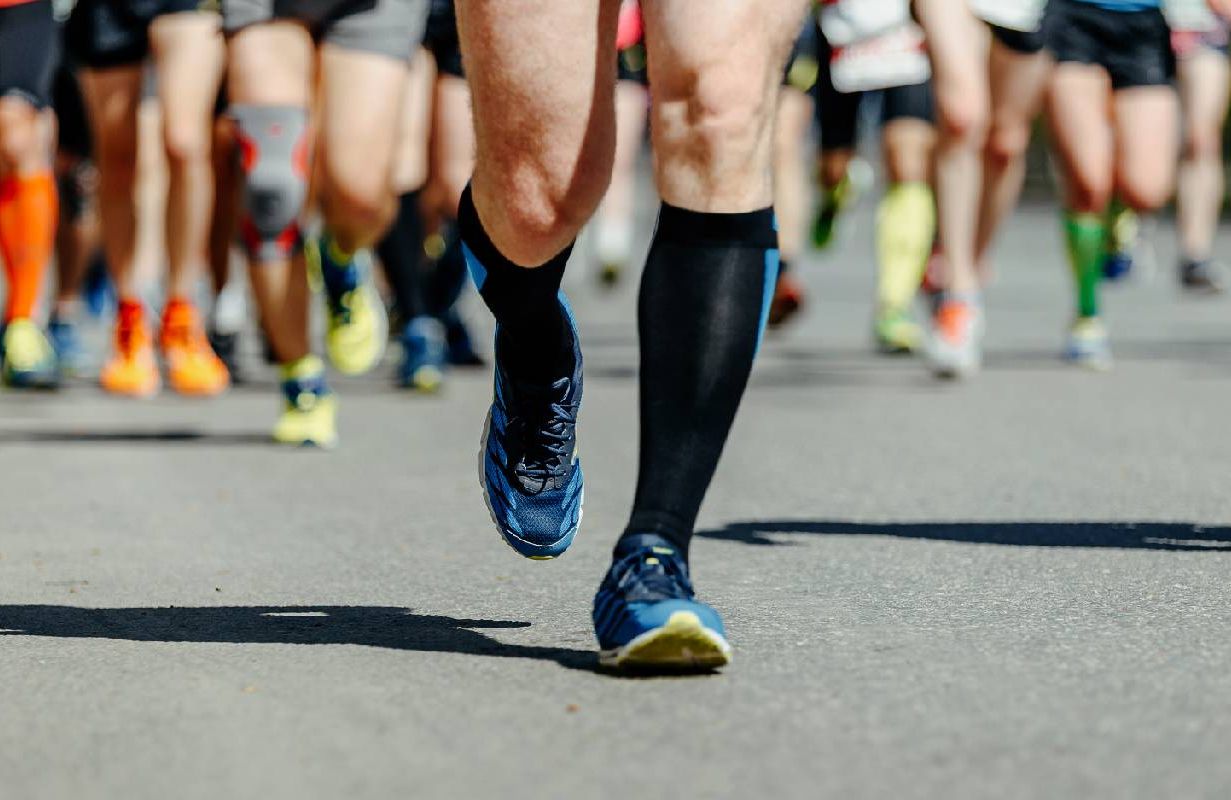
(1014, 587)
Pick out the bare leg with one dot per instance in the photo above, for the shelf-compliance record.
(1078, 110)
(272, 65)
(958, 46)
(1018, 83)
(1205, 84)
(188, 54)
(614, 220)
(791, 192)
(1146, 145)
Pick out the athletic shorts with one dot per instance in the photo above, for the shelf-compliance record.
(440, 38)
(29, 50)
(1133, 46)
(837, 113)
(1025, 42)
(116, 33)
(391, 28)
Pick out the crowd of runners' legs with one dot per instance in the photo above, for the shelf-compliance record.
(311, 140)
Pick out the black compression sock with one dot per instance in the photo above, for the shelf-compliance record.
(704, 296)
(448, 275)
(535, 343)
(400, 253)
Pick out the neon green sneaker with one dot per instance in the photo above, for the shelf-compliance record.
(358, 326)
(29, 359)
(896, 333)
(309, 416)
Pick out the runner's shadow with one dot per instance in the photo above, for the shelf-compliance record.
(131, 436)
(370, 626)
(1124, 535)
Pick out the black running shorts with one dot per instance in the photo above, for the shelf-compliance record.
(1133, 46)
(29, 50)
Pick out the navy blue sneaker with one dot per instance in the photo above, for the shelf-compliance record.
(70, 350)
(528, 465)
(646, 614)
(423, 355)
(461, 352)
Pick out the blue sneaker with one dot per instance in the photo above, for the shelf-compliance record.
(461, 352)
(70, 351)
(528, 465)
(647, 616)
(423, 355)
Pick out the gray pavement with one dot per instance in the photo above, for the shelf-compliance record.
(1012, 588)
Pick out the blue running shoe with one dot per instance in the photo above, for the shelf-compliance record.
(528, 465)
(647, 616)
(70, 350)
(461, 352)
(423, 355)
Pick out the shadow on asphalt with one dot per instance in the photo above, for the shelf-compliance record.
(371, 626)
(1124, 535)
(128, 436)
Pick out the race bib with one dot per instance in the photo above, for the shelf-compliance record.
(845, 22)
(896, 58)
(1017, 15)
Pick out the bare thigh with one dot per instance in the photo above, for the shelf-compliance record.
(1147, 143)
(1078, 105)
(542, 78)
(188, 57)
(1205, 85)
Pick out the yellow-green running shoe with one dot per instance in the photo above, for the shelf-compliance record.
(358, 326)
(29, 359)
(896, 333)
(309, 415)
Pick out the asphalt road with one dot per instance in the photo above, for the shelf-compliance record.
(1016, 587)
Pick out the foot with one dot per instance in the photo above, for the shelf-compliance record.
(955, 347)
(1121, 242)
(529, 469)
(1088, 345)
(71, 352)
(132, 370)
(226, 347)
(896, 333)
(646, 614)
(29, 360)
(423, 355)
(192, 366)
(461, 352)
(358, 324)
(1203, 277)
(309, 417)
(788, 300)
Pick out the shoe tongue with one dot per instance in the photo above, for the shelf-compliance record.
(555, 391)
(644, 541)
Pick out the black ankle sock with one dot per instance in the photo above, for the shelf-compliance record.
(534, 341)
(400, 253)
(704, 294)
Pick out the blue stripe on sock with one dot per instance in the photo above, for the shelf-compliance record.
(771, 281)
(478, 273)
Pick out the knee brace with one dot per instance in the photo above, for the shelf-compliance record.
(274, 146)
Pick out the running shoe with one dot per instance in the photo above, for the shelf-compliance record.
(896, 333)
(29, 360)
(461, 352)
(955, 347)
(71, 353)
(1088, 345)
(787, 301)
(226, 347)
(837, 199)
(646, 614)
(309, 416)
(528, 465)
(358, 324)
(1203, 277)
(132, 370)
(423, 355)
(193, 368)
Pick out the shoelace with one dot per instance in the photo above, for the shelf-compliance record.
(545, 433)
(646, 575)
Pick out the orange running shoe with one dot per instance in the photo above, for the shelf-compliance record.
(193, 367)
(132, 369)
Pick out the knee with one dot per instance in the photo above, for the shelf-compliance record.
(273, 144)
(1145, 194)
(963, 118)
(19, 135)
(1006, 144)
(186, 143)
(1089, 195)
(358, 202)
(1201, 143)
(715, 119)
